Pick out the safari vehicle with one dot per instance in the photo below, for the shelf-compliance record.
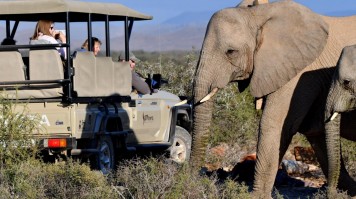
(86, 103)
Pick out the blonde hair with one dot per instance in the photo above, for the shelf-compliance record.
(43, 27)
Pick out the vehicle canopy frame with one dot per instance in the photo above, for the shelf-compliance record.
(68, 11)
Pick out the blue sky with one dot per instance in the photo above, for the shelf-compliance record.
(162, 10)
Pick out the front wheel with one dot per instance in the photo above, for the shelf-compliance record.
(181, 147)
(105, 159)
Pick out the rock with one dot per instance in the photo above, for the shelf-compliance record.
(294, 167)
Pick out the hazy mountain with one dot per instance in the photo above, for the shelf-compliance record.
(182, 32)
(190, 18)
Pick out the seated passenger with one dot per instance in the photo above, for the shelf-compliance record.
(138, 82)
(96, 43)
(46, 34)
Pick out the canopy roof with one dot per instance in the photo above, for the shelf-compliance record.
(56, 10)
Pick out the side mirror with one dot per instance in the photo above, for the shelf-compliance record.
(156, 81)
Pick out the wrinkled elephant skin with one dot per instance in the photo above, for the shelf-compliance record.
(286, 52)
(341, 99)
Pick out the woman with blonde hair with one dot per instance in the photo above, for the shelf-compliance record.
(46, 34)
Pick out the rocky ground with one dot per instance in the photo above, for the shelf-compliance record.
(299, 175)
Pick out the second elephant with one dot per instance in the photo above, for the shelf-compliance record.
(341, 99)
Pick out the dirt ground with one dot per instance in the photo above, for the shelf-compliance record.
(299, 176)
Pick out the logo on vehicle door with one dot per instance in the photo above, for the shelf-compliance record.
(147, 118)
(44, 120)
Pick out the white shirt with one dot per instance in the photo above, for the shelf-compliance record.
(52, 40)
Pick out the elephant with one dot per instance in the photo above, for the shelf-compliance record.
(341, 99)
(272, 48)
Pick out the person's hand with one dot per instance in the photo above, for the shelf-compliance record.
(60, 35)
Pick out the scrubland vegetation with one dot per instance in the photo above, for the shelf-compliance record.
(235, 123)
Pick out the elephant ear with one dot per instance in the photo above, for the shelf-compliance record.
(290, 38)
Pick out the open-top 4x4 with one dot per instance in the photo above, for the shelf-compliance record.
(86, 103)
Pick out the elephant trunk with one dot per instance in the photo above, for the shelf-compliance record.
(203, 85)
(331, 100)
(332, 130)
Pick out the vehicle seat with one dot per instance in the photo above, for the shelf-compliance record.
(45, 65)
(84, 80)
(104, 76)
(12, 69)
(122, 78)
(11, 66)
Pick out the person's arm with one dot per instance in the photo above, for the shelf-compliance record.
(140, 85)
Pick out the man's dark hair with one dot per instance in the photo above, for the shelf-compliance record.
(8, 41)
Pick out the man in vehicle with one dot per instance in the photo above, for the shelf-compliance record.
(138, 83)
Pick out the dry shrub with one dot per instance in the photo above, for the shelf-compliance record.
(35, 179)
(16, 129)
(322, 194)
(158, 178)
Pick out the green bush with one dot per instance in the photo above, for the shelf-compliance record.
(178, 70)
(16, 130)
(349, 155)
(235, 119)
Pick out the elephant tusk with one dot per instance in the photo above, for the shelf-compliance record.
(181, 103)
(334, 116)
(210, 95)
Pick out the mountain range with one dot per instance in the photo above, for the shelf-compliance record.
(183, 32)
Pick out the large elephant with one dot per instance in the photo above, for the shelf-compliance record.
(341, 99)
(274, 47)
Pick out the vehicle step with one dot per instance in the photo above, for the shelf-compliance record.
(119, 133)
(83, 151)
(131, 148)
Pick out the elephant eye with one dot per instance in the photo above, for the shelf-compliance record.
(346, 83)
(229, 52)
(232, 53)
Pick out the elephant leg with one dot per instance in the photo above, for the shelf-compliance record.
(345, 182)
(273, 141)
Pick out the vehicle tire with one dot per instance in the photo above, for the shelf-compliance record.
(105, 159)
(180, 150)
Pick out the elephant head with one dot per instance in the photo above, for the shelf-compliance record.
(341, 99)
(266, 44)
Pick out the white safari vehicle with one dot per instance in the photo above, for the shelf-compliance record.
(86, 104)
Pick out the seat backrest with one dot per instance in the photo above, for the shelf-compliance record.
(84, 80)
(11, 66)
(45, 65)
(104, 76)
(122, 78)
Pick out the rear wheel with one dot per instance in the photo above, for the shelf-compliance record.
(105, 159)
(181, 147)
